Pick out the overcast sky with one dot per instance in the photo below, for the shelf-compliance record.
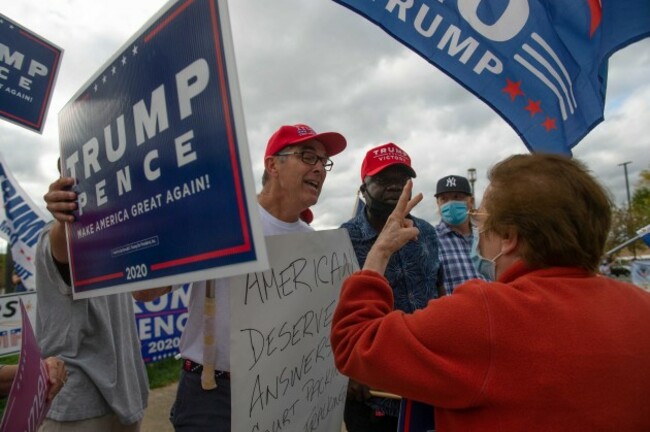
(315, 62)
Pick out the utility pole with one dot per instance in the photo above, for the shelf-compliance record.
(627, 184)
(629, 200)
(471, 176)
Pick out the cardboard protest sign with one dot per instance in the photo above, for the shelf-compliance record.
(157, 145)
(26, 405)
(11, 320)
(28, 69)
(282, 367)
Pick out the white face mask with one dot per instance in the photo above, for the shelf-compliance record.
(485, 267)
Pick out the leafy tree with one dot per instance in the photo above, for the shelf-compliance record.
(641, 199)
(625, 222)
(645, 178)
(623, 228)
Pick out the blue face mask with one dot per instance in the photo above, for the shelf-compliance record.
(485, 267)
(454, 212)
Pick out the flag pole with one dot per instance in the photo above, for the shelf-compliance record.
(208, 381)
(642, 232)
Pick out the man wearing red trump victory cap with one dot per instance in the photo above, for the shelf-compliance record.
(296, 163)
(300, 135)
(412, 271)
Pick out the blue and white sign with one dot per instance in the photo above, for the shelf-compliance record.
(28, 69)
(160, 324)
(157, 144)
(11, 320)
(542, 65)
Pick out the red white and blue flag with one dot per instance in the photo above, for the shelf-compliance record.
(21, 222)
(645, 234)
(541, 65)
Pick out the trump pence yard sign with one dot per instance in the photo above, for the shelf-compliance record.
(157, 145)
(28, 69)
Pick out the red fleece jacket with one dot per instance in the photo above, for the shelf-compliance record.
(556, 349)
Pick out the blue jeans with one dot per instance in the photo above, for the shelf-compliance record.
(199, 410)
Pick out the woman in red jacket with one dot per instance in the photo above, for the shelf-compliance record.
(548, 346)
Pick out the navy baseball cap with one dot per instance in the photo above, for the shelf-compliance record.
(453, 183)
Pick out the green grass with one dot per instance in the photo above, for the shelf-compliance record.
(8, 360)
(163, 372)
(160, 374)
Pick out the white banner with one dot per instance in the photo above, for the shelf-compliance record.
(283, 375)
(22, 222)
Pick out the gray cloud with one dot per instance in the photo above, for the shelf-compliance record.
(318, 63)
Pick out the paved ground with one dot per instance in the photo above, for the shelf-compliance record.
(156, 418)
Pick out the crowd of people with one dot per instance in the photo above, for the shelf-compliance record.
(497, 317)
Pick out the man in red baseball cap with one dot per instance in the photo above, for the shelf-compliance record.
(296, 163)
(412, 271)
(306, 154)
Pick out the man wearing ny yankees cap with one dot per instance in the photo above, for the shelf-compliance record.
(412, 271)
(454, 198)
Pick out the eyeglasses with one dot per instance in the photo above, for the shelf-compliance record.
(311, 158)
(475, 215)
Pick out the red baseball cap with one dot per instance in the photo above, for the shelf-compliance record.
(287, 135)
(379, 158)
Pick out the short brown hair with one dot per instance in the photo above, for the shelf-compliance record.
(287, 149)
(560, 212)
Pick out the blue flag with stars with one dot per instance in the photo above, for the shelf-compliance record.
(540, 64)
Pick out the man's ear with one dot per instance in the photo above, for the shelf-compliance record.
(362, 188)
(270, 165)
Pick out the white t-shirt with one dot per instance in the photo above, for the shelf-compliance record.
(191, 346)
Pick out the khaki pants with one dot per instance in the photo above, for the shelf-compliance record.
(107, 423)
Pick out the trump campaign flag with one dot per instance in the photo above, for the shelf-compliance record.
(541, 65)
(645, 234)
(21, 223)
